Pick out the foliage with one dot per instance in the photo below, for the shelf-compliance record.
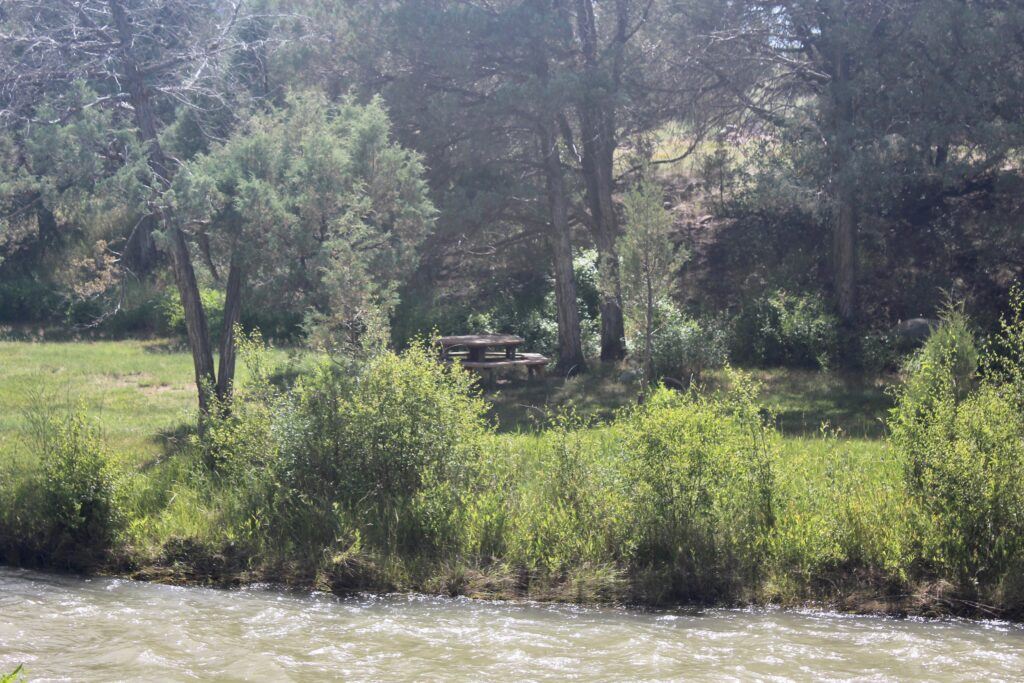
(701, 482)
(684, 348)
(387, 475)
(572, 507)
(963, 446)
(174, 315)
(840, 509)
(383, 456)
(319, 205)
(649, 263)
(14, 676)
(64, 509)
(782, 328)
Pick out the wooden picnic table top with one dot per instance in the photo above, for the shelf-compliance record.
(480, 340)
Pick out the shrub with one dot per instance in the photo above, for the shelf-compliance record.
(568, 505)
(840, 510)
(700, 472)
(387, 453)
(174, 313)
(410, 431)
(684, 348)
(963, 449)
(881, 351)
(784, 329)
(26, 299)
(63, 511)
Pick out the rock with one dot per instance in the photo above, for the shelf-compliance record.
(629, 376)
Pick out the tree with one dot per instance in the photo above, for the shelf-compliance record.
(872, 100)
(141, 59)
(650, 262)
(477, 87)
(311, 207)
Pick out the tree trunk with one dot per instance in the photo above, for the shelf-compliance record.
(181, 260)
(649, 334)
(844, 255)
(195, 318)
(597, 132)
(228, 343)
(570, 343)
(140, 255)
(844, 230)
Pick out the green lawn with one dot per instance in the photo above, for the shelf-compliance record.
(142, 395)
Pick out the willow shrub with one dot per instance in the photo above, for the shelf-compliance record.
(841, 513)
(962, 441)
(61, 505)
(699, 471)
(387, 454)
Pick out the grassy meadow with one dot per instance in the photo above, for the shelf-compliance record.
(141, 394)
(759, 486)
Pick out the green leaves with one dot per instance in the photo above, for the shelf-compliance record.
(324, 209)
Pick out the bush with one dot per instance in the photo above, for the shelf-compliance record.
(784, 329)
(881, 351)
(963, 449)
(174, 313)
(684, 348)
(384, 455)
(410, 432)
(567, 504)
(26, 299)
(841, 511)
(63, 511)
(701, 485)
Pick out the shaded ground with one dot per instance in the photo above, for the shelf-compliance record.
(800, 400)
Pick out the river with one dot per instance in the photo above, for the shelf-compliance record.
(102, 629)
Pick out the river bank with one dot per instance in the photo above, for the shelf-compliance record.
(592, 587)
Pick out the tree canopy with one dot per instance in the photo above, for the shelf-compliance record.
(371, 171)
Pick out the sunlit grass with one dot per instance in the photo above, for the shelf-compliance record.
(140, 393)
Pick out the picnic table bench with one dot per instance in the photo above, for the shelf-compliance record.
(490, 352)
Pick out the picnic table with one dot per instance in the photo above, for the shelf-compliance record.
(489, 352)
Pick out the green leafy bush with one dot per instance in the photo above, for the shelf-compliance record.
(963, 448)
(841, 510)
(384, 454)
(701, 485)
(684, 348)
(174, 313)
(27, 299)
(785, 329)
(409, 432)
(568, 504)
(64, 509)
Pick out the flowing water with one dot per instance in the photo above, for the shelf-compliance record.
(68, 628)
